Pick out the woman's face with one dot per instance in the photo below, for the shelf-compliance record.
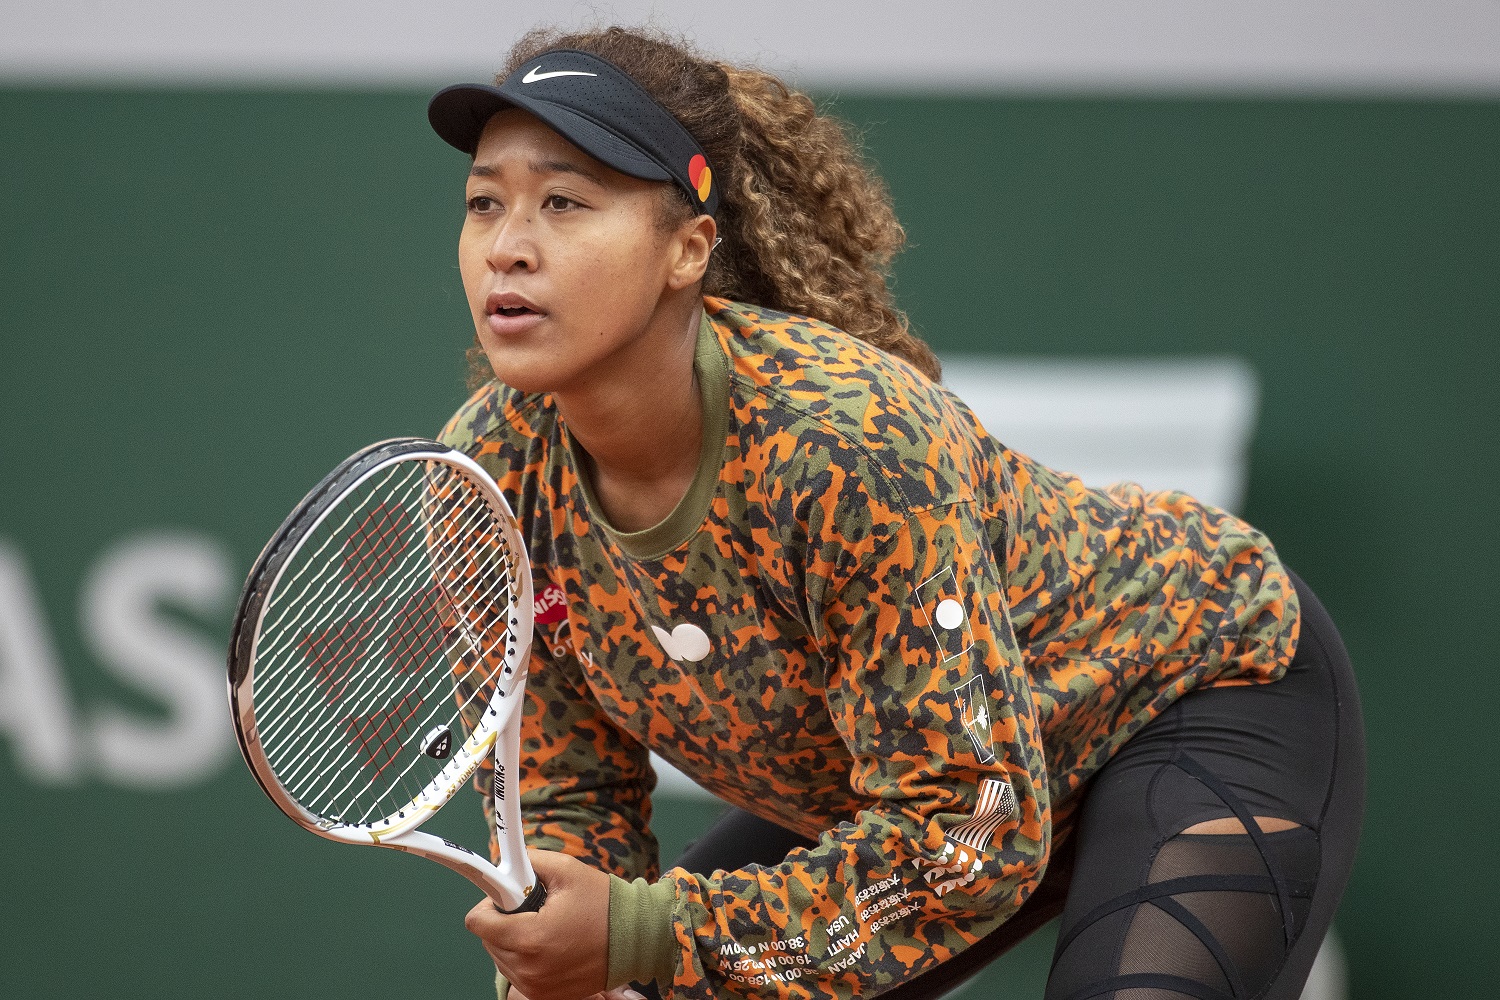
(564, 261)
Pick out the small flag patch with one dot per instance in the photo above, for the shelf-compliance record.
(997, 803)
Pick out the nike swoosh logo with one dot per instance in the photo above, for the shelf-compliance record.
(533, 75)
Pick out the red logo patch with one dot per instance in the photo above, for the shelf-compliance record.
(701, 177)
(550, 605)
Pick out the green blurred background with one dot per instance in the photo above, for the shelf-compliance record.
(209, 296)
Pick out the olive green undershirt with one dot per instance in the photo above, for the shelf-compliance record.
(712, 369)
(642, 945)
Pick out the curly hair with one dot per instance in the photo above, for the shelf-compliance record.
(808, 227)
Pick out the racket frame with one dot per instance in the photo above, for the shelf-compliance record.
(511, 884)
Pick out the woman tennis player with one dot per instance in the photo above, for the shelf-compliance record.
(950, 692)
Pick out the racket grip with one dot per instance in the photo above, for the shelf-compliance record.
(531, 903)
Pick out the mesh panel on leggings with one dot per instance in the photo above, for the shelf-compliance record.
(1221, 937)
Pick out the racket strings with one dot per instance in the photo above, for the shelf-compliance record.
(306, 572)
(375, 736)
(327, 626)
(498, 595)
(365, 725)
(464, 697)
(372, 695)
(320, 588)
(333, 645)
(396, 600)
(312, 764)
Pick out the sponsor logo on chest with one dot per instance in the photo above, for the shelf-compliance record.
(550, 606)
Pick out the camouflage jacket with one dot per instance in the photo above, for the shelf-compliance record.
(867, 621)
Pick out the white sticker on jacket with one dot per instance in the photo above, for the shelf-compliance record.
(974, 713)
(946, 614)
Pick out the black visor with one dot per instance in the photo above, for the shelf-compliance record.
(593, 105)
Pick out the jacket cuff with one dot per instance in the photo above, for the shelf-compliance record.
(642, 946)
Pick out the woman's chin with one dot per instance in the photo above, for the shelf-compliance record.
(516, 369)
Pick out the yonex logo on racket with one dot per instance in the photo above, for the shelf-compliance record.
(438, 744)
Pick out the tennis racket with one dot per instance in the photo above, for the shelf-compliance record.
(379, 653)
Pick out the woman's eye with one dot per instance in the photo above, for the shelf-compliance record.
(480, 203)
(559, 203)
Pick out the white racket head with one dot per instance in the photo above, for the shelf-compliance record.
(380, 650)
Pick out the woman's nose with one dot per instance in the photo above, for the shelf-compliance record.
(514, 247)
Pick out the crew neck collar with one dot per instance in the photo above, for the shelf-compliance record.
(712, 369)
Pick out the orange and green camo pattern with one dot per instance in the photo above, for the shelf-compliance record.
(867, 621)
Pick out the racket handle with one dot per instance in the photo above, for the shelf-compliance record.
(531, 903)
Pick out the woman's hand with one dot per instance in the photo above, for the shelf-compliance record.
(560, 952)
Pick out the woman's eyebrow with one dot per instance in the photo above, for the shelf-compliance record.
(564, 167)
(541, 167)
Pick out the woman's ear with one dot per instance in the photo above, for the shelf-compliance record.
(694, 242)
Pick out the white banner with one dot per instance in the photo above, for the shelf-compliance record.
(1273, 46)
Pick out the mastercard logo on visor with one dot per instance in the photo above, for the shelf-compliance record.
(701, 177)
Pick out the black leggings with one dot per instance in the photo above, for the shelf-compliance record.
(1149, 912)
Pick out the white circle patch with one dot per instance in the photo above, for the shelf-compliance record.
(950, 614)
(685, 642)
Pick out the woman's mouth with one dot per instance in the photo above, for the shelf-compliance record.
(509, 314)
